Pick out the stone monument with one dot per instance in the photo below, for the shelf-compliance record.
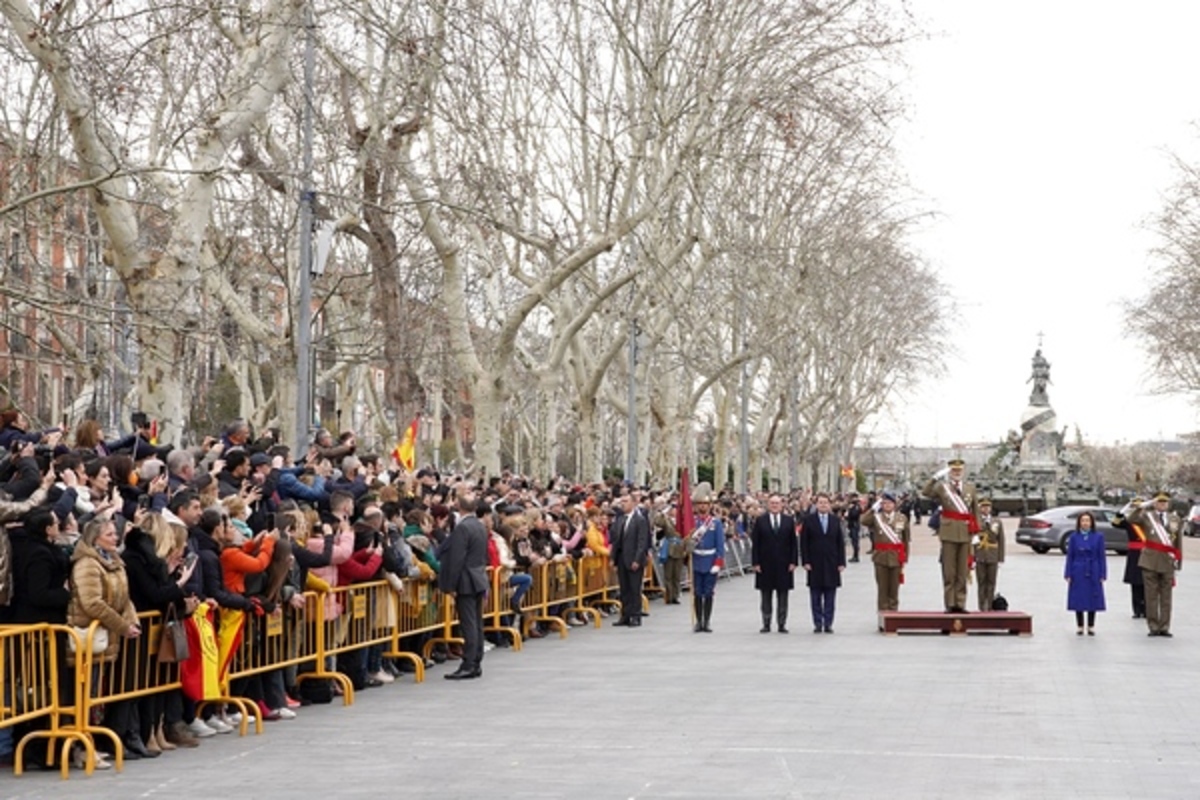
(1040, 440)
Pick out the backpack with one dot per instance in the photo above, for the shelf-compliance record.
(999, 603)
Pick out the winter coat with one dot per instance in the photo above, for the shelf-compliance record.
(250, 558)
(100, 591)
(150, 584)
(343, 548)
(41, 569)
(1086, 568)
(10, 511)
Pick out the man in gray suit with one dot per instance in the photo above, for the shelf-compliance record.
(630, 544)
(464, 577)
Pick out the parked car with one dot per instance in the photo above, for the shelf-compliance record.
(1192, 526)
(1052, 527)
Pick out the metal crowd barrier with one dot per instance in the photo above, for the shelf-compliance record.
(499, 606)
(538, 602)
(40, 685)
(422, 611)
(30, 669)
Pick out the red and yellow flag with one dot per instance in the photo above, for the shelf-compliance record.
(406, 452)
(210, 651)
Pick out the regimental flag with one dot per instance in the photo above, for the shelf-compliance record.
(685, 517)
(406, 452)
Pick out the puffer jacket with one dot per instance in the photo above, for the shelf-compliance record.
(100, 591)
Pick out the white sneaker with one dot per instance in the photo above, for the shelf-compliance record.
(219, 726)
(233, 719)
(199, 729)
(383, 676)
(285, 713)
(488, 647)
(79, 760)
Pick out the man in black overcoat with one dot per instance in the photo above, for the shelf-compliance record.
(464, 577)
(774, 554)
(823, 556)
(630, 546)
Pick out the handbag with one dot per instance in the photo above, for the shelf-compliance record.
(99, 641)
(173, 642)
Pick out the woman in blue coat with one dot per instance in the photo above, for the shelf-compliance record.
(1085, 571)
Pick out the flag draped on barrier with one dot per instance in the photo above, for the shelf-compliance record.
(210, 651)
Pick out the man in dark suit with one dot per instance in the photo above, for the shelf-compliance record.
(774, 552)
(464, 577)
(823, 554)
(629, 548)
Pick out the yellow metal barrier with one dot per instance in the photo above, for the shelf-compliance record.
(345, 619)
(134, 673)
(592, 584)
(422, 609)
(29, 674)
(499, 606)
(537, 602)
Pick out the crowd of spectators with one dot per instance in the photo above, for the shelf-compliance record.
(99, 530)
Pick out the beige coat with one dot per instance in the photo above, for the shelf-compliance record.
(100, 591)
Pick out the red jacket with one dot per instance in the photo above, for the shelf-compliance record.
(362, 566)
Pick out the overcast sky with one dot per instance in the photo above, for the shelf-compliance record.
(1041, 132)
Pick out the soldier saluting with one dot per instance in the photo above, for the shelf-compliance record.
(958, 525)
(890, 538)
(1162, 555)
(989, 553)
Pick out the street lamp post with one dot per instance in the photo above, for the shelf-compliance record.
(304, 381)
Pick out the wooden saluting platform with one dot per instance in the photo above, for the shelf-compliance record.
(956, 623)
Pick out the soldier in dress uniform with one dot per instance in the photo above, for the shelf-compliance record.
(1161, 556)
(989, 553)
(707, 545)
(1133, 573)
(890, 540)
(958, 525)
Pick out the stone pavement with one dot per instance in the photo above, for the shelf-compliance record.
(660, 712)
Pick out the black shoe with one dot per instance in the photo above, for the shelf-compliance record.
(817, 630)
(464, 675)
(854, 560)
(134, 744)
(765, 629)
(621, 623)
(635, 622)
(829, 630)
(783, 630)
(1167, 634)
(1152, 633)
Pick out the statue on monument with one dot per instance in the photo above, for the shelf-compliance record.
(1040, 378)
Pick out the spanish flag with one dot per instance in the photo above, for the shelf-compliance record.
(406, 452)
(211, 648)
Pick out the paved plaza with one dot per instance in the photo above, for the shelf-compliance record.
(660, 712)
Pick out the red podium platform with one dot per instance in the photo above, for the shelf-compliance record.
(1010, 622)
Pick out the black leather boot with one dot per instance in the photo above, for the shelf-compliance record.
(698, 612)
(707, 614)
